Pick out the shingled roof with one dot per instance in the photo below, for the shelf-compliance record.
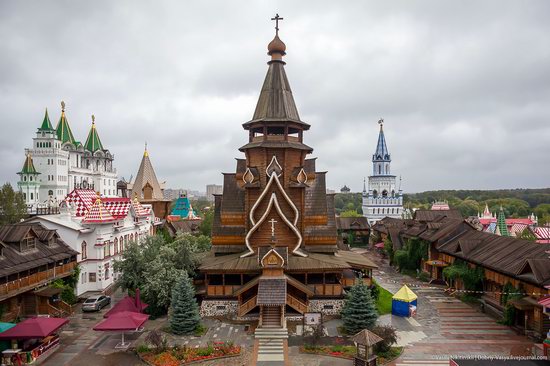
(14, 261)
(434, 215)
(146, 175)
(502, 254)
(271, 291)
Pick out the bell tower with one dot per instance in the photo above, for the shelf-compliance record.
(383, 198)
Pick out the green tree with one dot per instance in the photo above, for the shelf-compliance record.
(160, 277)
(359, 311)
(526, 234)
(154, 265)
(349, 213)
(185, 311)
(206, 223)
(12, 205)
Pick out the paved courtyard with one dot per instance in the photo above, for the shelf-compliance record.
(445, 326)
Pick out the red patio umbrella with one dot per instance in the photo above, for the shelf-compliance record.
(122, 321)
(34, 328)
(126, 304)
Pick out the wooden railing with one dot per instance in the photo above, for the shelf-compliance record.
(220, 290)
(247, 306)
(35, 279)
(296, 304)
(327, 289)
(66, 308)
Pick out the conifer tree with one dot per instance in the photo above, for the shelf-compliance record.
(359, 311)
(185, 311)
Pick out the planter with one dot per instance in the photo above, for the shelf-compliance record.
(189, 355)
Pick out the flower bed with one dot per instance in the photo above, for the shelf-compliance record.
(339, 351)
(184, 355)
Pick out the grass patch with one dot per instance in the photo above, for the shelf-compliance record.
(200, 331)
(383, 304)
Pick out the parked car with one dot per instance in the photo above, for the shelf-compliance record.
(96, 303)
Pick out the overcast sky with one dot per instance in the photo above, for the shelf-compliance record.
(464, 86)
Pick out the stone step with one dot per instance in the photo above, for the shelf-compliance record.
(272, 330)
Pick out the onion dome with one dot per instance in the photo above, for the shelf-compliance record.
(276, 46)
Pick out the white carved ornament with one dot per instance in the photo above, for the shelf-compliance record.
(274, 170)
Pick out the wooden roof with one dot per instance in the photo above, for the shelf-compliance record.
(352, 223)
(432, 215)
(356, 260)
(13, 261)
(366, 338)
(271, 291)
(503, 254)
(276, 102)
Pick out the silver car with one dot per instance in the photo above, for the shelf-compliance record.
(96, 303)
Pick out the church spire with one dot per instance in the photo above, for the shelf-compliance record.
(63, 130)
(46, 124)
(93, 142)
(501, 224)
(382, 153)
(276, 102)
(28, 165)
(146, 184)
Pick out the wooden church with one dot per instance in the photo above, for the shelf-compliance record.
(275, 250)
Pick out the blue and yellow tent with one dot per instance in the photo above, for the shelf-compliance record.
(402, 300)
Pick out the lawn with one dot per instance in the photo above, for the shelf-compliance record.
(383, 304)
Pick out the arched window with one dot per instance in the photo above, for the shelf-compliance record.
(84, 250)
(50, 193)
(132, 237)
(379, 169)
(121, 244)
(375, 193)
(116, 245)
(384, 193)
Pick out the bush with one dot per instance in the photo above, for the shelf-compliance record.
(157, 340)
(388, 335)
(337, 348)
(205, 351)
(142, 348)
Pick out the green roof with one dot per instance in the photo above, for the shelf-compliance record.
(28, 166)
(46, 124)
(63, 130)
(501, 223)
(93, 142)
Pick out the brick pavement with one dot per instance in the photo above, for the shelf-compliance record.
(452, 327)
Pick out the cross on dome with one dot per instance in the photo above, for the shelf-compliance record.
(276, 19)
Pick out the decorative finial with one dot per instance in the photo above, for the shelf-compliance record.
(62, 106)
(93, 119)
(145, 153)
(381, 122)
(276, 48)
(276, 19)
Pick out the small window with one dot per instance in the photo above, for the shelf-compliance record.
(328, 307)
(221, 307)
(92, 277)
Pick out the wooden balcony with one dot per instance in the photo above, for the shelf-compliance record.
(296, 304)
(220, 290)
(348, 282)
(327, 289)
(27, 283)
(247, 306)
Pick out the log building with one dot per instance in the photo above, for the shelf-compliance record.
(275, 251)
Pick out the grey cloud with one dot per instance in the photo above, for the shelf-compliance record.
(463, 86)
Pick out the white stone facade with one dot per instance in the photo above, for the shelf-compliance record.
(99, 245)
(210, 308)
(326, 306)
(66, 166)
(383, 198)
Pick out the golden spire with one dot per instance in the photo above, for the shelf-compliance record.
(145, 153)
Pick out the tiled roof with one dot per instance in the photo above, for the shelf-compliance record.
(81, 200)
(63, 130)
(118, 207)
(352, 223)
(98, 213)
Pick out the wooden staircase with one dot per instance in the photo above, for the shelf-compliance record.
(271, 317)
